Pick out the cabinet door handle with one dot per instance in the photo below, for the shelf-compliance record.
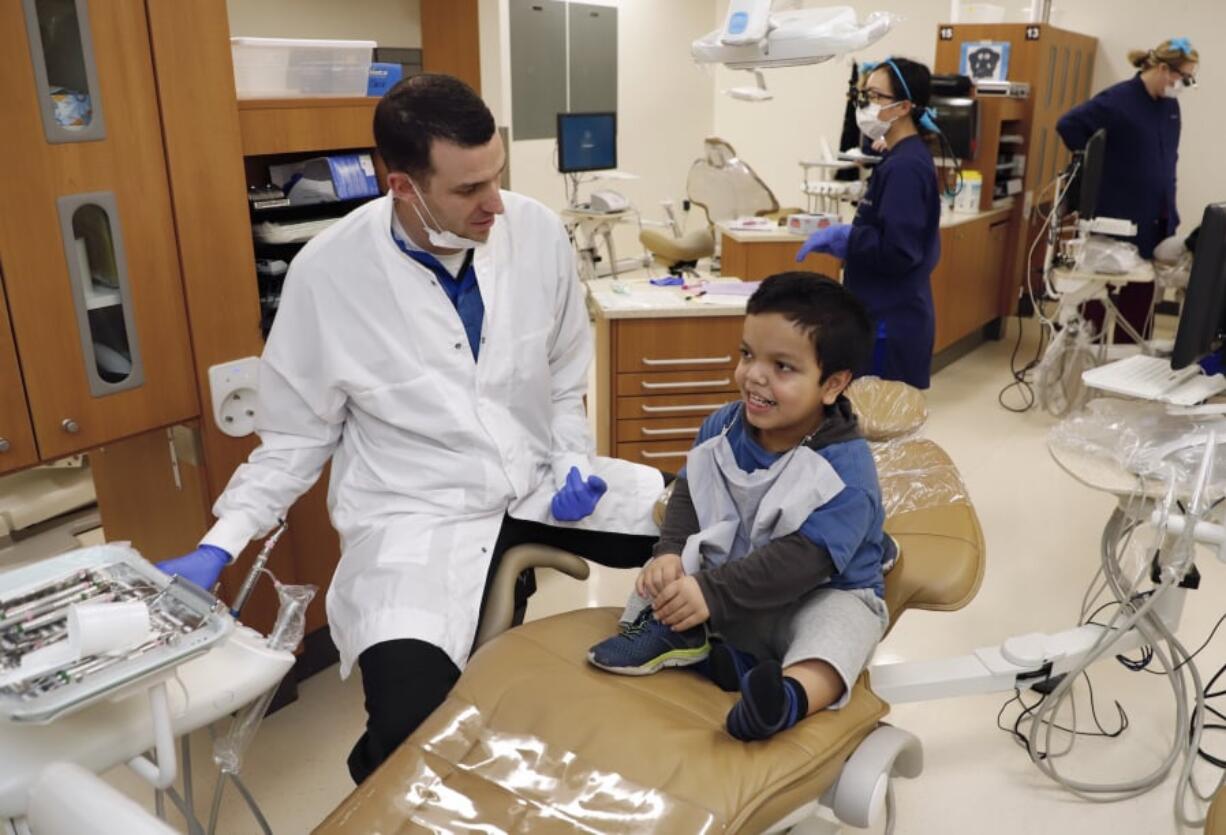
(687, 361)
(687, 384)
(682, 430)
(4, 445)
(70, 426)
(701, 407)
(645, 454)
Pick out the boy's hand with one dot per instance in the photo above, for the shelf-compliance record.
(657, 574)
(681, 604)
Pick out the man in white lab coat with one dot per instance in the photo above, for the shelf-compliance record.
(435, 345)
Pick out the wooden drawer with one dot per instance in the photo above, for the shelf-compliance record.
(665, 455)
(677, 405)
(660, 429)
(677, 344)
(675, 382)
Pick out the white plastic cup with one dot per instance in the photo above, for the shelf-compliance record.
(98, 628)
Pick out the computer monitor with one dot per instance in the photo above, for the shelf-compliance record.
(587, 142)
(959, 121)
(1203, 319)
(1083, 191)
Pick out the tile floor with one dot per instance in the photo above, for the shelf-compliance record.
(1042, 530)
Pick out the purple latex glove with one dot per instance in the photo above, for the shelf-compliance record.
(202, 566)
(577, 498)
(831, 239)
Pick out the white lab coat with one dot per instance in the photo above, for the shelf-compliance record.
(368, 363)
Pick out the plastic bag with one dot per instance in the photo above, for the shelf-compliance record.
(1108, 256)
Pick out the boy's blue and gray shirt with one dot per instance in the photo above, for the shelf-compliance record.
(839, 541)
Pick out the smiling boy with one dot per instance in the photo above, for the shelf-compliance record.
(768, 573)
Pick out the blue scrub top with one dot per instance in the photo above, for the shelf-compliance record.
(1138, 182)
(895, 243)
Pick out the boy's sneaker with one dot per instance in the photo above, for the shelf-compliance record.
(645, 645)
(891, 553)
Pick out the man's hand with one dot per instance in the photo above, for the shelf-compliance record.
(577, 498)
(657, 574)
(681, 604)
(202, 566)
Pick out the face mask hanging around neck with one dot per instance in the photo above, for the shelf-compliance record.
(440, 237)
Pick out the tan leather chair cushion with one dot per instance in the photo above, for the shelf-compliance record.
(887, 408)
(663, 732)
(690, 247)
(1215, 824)
(943, 551)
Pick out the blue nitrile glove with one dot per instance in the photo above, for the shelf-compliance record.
(831, 239)
(202, 566)
(577, 498)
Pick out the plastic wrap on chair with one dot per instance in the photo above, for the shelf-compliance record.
(887, 409)
(1142, 438)
(465, 777)
(916, 474)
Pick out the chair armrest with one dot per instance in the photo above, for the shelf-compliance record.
(499, 609)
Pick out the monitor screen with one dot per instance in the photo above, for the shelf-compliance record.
(959, 120)
(1203, 318)
(587, 142)
(1083, 191)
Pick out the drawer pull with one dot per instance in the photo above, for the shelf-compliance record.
(687, 384)
(682, 430)
(645, 454)
(691, 361)
(701, 407)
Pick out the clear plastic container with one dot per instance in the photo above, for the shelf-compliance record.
(272, 68)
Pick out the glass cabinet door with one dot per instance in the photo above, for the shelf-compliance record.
(62, 52)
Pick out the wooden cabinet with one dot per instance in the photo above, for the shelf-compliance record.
(17, 448)
(967, 280)
(87, 239)
(660, 379)
(751, 260)
(1058, 65)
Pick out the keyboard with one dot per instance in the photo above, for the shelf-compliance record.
(1148, 378)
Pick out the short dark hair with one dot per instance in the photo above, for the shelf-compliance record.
(423, 108)
(833, 319)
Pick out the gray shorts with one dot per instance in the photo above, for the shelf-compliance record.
(840, 627)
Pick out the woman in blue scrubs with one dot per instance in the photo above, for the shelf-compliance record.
(891, 247)
(1142, 120)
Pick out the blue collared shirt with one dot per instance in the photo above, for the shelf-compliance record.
(462, 290)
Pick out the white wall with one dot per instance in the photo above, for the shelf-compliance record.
(773, 136)
(387, 22)
(665, 107)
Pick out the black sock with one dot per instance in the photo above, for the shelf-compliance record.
(727, 665)
(770, 702)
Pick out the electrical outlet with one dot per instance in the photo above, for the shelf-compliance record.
(233, 388)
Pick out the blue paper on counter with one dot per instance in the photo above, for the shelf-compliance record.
(383, 77)
(668, 281)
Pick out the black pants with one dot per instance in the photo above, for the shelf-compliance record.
(406, 679)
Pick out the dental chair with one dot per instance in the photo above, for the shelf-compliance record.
(533, 738)
(725, 188)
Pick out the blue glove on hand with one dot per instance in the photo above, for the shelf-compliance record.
(202, 566)
(831, 239)
(577, 498)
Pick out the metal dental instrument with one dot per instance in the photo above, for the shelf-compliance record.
(257, 566)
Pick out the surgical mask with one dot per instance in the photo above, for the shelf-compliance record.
(440, 237)
(1174, 90)
(870, 123)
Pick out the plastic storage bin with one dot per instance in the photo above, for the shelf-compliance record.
(271, 68)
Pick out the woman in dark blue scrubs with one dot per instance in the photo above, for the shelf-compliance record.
(891, 247)
(1142, 120)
